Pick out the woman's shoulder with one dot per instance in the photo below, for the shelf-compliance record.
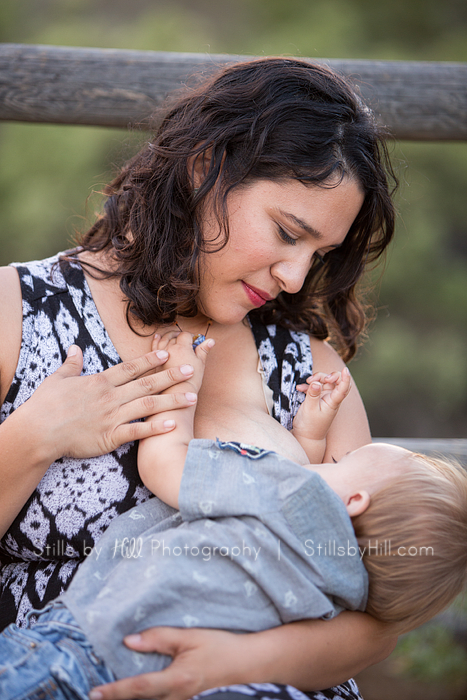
(28, 282)
(325, 358)
(40, 278)
(10, 290)
(8, 280)
(10, 326)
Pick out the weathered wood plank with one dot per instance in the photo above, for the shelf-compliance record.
(432, 446)
(110, 87)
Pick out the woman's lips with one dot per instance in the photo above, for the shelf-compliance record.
(256, 296)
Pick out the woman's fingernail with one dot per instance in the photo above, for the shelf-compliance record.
(133, 639)
(169, 424)
(186, 370)
(95, 695)
(346, 371)
(190, 397)
(72, 350)
(162, 354)
(211, 342)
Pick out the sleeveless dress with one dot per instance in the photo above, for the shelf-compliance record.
(77, 498)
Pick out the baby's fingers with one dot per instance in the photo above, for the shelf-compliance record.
(332, 378)
(319, 377)
(340, 391)
(202, 350)
(315, 389)
(162, 342)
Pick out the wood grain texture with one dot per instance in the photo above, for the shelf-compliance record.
(118, 88)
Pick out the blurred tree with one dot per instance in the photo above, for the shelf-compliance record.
(412, 371)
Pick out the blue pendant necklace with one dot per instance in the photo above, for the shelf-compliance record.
(198, 338)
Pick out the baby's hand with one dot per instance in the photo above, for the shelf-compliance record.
(330, 388)
(324, 395)
(179, 345)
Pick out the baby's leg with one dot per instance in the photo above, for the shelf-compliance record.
(34, 663)
(161, 461)
(324, 395)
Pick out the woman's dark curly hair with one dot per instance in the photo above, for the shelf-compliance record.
(271, 118)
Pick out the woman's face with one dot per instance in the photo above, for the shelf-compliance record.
(276, 230)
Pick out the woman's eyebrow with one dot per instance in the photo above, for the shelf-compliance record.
(306, 227)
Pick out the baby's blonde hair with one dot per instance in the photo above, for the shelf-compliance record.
(415, 534)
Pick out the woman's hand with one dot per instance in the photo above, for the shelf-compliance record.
(87, 416)
(83, 417)
(309, 655)
(202, 659)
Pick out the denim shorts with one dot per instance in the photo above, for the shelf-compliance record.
(51, 659)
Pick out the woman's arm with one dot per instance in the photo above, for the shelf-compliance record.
(69, 414)
(309, 655)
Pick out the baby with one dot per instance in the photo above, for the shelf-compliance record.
(161, 461)
(258, 541)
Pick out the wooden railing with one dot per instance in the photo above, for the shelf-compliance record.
(110, 87)
(117, 88)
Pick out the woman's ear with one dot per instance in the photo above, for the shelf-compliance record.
(357, 503)
(198, 166)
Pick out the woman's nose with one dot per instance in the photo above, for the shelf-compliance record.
(290, 275)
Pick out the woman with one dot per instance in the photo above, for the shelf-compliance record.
(250, 216)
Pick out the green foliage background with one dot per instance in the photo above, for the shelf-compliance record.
(412, 372)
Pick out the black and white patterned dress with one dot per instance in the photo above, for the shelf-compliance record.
(77, 498)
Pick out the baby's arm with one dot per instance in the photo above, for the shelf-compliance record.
(324, 395)
(161, 462)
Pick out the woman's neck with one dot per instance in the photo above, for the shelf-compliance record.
(112, 304)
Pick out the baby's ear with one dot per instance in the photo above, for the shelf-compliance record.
(357, 503)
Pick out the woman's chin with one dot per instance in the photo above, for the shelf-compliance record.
(230, 320)
(227, 316)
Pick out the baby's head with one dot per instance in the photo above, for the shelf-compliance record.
(414, 532)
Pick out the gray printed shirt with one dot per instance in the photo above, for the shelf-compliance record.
(259, 541)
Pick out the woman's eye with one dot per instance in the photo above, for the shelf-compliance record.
(285, 237)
